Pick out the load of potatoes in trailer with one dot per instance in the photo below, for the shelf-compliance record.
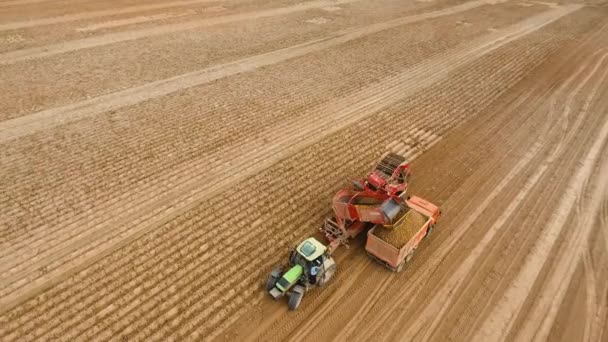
(404, 229)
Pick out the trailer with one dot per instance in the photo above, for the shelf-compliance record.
(393, 245)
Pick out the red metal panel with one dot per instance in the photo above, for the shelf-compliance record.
(381, 249)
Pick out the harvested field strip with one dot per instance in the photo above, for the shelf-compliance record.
(97, 14)
(520, 249)
(384, 94)
(12, 129)
(85, 43)
(486, 301)
(434, 316)
(529, 272)
(80, 283)
(203, 164)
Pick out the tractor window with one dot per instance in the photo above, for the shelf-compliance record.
(308, 249)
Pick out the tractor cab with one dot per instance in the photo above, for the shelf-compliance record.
(308, 252)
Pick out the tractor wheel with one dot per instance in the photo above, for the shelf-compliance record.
(330, 270)
(273, 277)
(429, 230)
(295, 297)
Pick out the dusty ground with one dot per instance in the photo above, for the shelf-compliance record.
(158, 157)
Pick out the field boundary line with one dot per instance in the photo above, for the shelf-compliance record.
(22, 2)
(12, 57)
(97, 14)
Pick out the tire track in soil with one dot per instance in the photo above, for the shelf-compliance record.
(97, 14)
(545, 308)
(29, 124)
(111, 38)
(506, 313)
(513, 252)
(494, 277)
(600, 318)
(591, 295)
(441, 302)
(382, 94)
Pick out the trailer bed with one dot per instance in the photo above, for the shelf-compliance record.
(406, 227)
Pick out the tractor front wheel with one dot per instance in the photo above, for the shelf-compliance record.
(295, 298)
(273, 277)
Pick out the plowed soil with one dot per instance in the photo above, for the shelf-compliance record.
(158, 158)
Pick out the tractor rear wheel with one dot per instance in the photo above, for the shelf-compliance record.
(329, 266)
(295, 297)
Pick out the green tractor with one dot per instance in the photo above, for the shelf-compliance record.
(309, 265)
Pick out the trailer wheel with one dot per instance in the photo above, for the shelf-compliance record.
(295, 298)
(409, 257)
(330, 270)
(429, 230)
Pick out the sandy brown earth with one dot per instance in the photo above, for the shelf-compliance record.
(159, 157)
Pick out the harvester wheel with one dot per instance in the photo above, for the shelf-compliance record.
(273, 277)
(295, 297)
(400, 266)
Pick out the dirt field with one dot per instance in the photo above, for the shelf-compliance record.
(157, 159)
